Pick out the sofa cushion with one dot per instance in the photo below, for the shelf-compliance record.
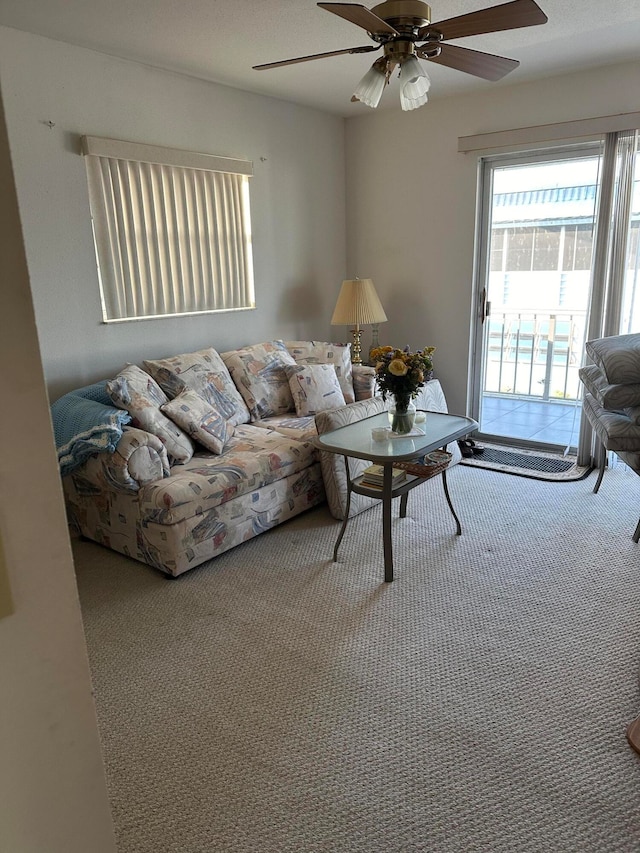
(199, 420)
(258, 372)
(322, 352)
(205, 373)
(141, 396)
(304, 429)
(614, 397)
(614, 429)
(253, 458)
(314, 388)
(633, 413)
(618, 357)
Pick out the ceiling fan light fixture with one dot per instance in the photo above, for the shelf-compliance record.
(415, 84)
(412, 105)
(397, 26)
(369, 90)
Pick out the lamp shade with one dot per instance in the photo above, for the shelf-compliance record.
(358, 303)
(415, 84)
(369, 90)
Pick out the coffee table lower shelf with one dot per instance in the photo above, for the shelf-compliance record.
(401, 491)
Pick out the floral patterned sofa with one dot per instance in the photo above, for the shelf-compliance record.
(214, 448)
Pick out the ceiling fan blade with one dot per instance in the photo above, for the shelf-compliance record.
(507, 16)
(485, 65)
(282, 62)
(361, 16)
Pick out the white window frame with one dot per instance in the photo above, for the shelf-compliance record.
(172, 230)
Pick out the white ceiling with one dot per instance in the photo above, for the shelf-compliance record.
(220, 40)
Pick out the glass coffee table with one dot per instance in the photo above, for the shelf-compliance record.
(356, 440)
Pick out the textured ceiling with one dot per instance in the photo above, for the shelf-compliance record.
(220, 40)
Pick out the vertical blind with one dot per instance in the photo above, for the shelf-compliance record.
(172, 230)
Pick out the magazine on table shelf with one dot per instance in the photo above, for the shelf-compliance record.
(374, 476)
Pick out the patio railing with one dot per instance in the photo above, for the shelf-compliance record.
(534, 354)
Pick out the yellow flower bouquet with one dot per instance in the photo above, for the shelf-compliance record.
(402, 373)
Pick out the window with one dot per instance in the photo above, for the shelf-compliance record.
(520, 249)
(578, 246)
(172, 230)
(546, 248)
(497, 249)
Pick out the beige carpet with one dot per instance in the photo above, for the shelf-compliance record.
(273, 702)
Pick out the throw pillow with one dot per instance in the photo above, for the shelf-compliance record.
(364, 381)
(613, 397)
(618, 357)
(315, 388)
(633, 413)
(322, 352)
(258, 372)
(141, 396)
(205, 373)
(199, 420)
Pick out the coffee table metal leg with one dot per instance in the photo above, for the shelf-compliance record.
(386, 523)
(448, 497)
(346, 512)
(403, 505)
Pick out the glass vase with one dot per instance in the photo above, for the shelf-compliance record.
(402, 414)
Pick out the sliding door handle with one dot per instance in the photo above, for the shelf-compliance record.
(485, 308)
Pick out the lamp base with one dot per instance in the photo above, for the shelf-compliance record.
(374, 339)
(356, 349)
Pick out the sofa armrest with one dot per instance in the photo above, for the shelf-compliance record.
(139, 458)
(334, 473)
(431, 397)
(364, 381)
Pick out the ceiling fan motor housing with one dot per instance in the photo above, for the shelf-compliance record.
(399, 49)
(406, 16)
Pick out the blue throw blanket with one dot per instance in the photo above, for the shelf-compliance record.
(85, 421)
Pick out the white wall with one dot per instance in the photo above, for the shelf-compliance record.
(297, 199)
(412, 197)
(52, 790)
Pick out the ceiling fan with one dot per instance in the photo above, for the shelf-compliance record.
(403, 29)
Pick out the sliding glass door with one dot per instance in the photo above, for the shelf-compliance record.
(630, 297)
(545, 283)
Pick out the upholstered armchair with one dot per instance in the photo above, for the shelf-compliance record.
(612, 399)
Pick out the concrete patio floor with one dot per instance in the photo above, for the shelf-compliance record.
(539, 421)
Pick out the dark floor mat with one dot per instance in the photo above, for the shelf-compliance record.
(528, 463)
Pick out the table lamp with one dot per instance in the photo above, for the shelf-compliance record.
(357, 304)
